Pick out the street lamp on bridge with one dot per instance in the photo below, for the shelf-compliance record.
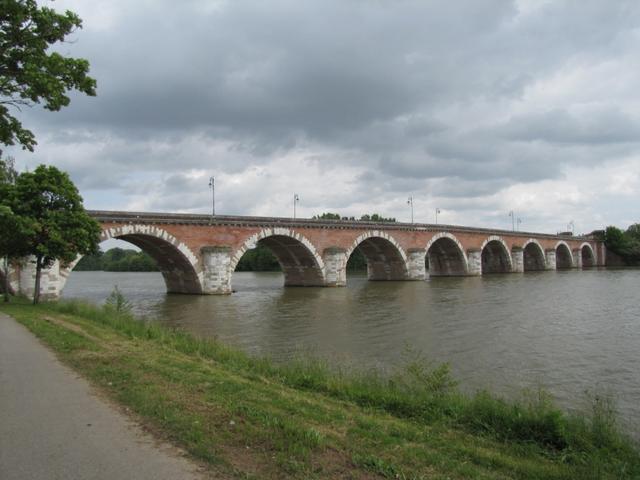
(513, 221)
(437, 212)
(410, 203)
(296, 199)
(213, 196)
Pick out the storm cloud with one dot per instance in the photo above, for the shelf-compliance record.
(474, 107)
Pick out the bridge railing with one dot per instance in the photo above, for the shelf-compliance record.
(237, 220)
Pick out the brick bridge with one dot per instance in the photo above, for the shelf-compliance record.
(198, 254)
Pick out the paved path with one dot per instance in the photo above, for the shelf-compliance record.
(53, 427)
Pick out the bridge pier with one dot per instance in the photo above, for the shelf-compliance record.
(474, 256)
(517, 257)
(416, 268)
(335, 266)
(216, 265)
(550, 257)
(577, 258)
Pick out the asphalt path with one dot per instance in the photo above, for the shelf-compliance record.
(53, 426)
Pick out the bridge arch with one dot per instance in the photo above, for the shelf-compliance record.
(495, 256)
(180, 267)
(297, 256)
(533, 255)
(588, 255)
(386, 259)
(446, 256)
(564, 258)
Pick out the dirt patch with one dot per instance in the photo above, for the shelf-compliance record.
(70, 326)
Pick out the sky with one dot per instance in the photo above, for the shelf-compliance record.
(476, 108)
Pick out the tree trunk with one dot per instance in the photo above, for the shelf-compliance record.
(6, 279)
(36, 293)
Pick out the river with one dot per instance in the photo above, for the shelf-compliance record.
(570, 332)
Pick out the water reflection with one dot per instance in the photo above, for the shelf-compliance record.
(567, 330)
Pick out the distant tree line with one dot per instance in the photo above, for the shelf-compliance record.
(374, 217)
(118, 260)
(625, 244)
(260, 259)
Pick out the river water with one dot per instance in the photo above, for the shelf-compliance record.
(570, 332)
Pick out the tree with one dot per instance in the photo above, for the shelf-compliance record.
(376, 218)
(327, 216)
(633, 232)
(625, 244)
(49, 202)
(29, 72)
(13, 229)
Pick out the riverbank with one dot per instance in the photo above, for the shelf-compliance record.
(250, 418)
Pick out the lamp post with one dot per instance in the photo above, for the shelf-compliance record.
(513, 221)
(437, 212)
(213, 196)
(519, 222)
(296, 199)
(410, 203)
(571, 227)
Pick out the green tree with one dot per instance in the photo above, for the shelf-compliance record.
(259, 259)
(13, 229)
(633, 232)
(90, 263)
(376, 218)
(625, 244)
(48, 200)
(327, 216)
(615, 239)
(30, 72)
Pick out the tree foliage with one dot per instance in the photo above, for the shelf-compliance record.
(30, 72)
(626, 244)
(259, 259)
(59, 228)
(374, 217)
(13, 228)
(118, 260)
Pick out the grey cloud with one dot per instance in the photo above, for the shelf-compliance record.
(378, 87)
(608, 126)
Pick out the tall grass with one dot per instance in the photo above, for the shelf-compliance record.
(419, 391)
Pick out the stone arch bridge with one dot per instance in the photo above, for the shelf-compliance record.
(197, 254)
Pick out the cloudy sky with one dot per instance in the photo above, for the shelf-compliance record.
(474, 107)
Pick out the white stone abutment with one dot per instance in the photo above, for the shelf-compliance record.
(517, 259)
(474, 258)
(550, 254)
(335, 266)
(216, 265)
(416, 267)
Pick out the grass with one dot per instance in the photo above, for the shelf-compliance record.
(249, 417)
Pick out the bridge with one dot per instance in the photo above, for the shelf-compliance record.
(197, 254)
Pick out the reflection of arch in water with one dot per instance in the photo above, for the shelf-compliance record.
(300, 263)
(386, 260)
(445, 256)
(533, 256)
(588, 255)
(564, 259)
(180, 268)
(495, 256)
